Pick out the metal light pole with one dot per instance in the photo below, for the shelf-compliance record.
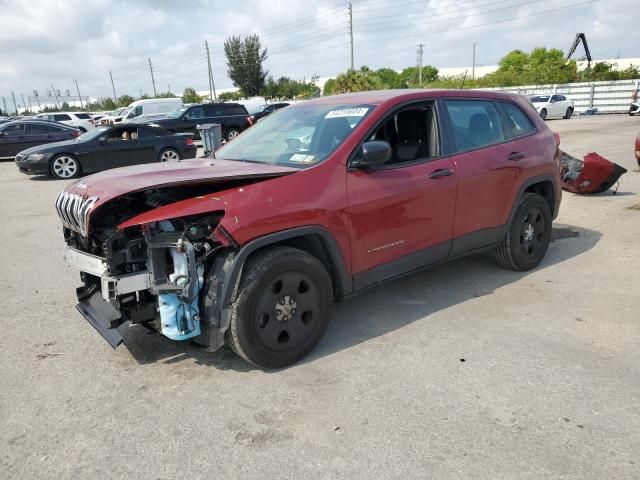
(473, 67)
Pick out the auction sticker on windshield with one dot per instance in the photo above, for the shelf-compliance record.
(347, 112)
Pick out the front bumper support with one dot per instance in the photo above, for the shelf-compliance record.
(104, 318)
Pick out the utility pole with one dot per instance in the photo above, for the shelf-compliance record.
(473, 67)
(420, 52)
(153, 80)
(35, 94)
(14, 101)
(115, 99)
(23, 102)
(351, 31)
(79, 96)
(212, 86)
(55, 95)
(4, 104)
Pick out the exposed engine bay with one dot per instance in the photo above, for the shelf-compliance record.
(153, 274)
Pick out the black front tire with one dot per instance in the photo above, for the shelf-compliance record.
(528, 234)
(261, 331)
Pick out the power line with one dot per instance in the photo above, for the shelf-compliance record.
(510, 19)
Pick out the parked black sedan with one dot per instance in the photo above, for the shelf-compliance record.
(267, 109)
(104, 148)
(17, 135)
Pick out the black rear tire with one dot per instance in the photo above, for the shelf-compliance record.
(528, 234)
(282, 307)
(543, 113)
(568, 113)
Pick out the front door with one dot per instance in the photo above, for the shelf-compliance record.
(401, 214)
(115, 148)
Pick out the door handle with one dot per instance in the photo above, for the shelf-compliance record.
(441, 172)
(515, 156)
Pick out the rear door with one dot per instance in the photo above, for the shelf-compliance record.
(37, 134)
(12, 140)
(487, 168)
(401, 214)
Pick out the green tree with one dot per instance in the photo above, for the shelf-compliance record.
(389, 78)
(229, 96)
(244, 62)
(107, 104)
(65, 107)
(358, 81)
(329, 87)
(409, 77)
(125, 100)
(189, 95)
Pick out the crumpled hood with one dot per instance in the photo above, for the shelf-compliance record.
(113, 183)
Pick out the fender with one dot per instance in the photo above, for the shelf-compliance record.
(557, 193)
(224, 277)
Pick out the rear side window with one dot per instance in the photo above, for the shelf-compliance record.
(517, 122)
(83, 116)
(37, 129)
(196, 112)
(476, 124)
(58, 117)
(233, 110)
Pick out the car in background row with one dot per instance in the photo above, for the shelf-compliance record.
(155, 107)
(80, 120)
(233, 117)
(553, 106)
(266, 110)
(113, 117)
(637, 149)
(105, 148)
(21, 134)
(634, 109)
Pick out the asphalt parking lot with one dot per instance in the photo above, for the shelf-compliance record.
(462, 371)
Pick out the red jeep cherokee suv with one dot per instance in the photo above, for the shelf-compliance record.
(316, 202)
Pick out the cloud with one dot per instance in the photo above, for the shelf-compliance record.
(59, 41)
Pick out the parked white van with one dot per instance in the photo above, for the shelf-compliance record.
(150, 108)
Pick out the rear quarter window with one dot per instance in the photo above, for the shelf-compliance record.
(517, 123)
(61, 117)
(234, 110)
(83, 116)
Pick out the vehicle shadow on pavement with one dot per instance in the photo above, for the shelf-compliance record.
(380, 309)
(384, 308)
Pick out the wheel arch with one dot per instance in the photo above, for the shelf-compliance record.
(314, 239)
(543, 185)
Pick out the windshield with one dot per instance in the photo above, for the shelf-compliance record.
(540, 99)
(91, 134)
(177, 113)
(300, 136)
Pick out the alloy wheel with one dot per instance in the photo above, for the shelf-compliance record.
(65, 166)
(169, 156)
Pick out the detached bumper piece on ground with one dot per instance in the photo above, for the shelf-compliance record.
(593, 174)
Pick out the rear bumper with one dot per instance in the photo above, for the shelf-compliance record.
(190, 152)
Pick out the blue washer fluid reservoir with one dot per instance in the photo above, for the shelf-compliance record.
(180, 320)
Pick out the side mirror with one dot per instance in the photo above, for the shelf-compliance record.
(374, 154)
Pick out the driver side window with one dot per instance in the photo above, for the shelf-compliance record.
(412, 134)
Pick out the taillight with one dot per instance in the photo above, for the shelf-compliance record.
(556, 135)
(91, 122)
(75, 133)
(249, 121)
(189, 141)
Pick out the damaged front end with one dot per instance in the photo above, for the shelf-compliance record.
(153, 275)
(158, 274)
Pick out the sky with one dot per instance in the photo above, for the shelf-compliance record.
(57, 42)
